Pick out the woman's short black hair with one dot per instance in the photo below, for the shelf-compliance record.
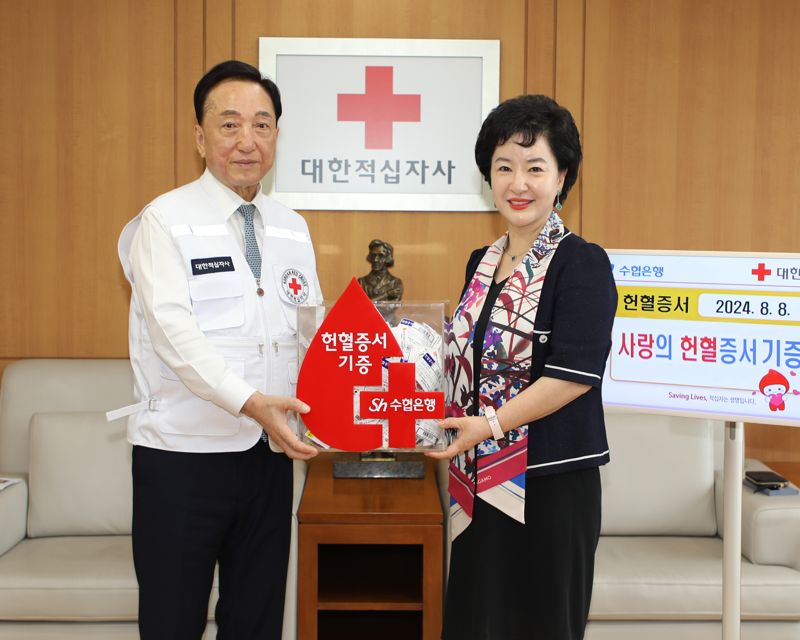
(531, 116)
(233, 70)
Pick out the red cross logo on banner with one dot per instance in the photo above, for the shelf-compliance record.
(402, 405)
(761, 272)
(378, 107)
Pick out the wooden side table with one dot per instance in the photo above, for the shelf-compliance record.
(370, 561)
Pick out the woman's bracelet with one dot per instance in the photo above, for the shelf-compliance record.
(494, 423)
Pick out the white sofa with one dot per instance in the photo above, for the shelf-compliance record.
(659, 560)
(65, 558)
(66, 569)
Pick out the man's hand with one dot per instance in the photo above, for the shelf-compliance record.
(270, 413)
(471, 430)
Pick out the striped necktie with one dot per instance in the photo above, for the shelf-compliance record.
(252, 255)
(251, 251)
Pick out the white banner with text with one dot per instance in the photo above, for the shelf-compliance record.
(715, 335)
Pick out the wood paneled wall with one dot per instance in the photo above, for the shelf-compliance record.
(687, 111)
(691, 124)
(88, 127)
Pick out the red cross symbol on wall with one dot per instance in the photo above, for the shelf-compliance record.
(295, 286)
(761, 272)
(378, 107)
(402, 424)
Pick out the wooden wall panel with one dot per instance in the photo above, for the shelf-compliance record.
(189, 67)
(219, 32)
(774, 217)
(691, 124)
(87, 117)
(431, 249)
(569, 91)
(540, 47)
(772, 442)
(554, 67)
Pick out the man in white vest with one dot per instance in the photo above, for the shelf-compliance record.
(217, 270)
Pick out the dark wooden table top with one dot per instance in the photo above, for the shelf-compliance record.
(368, 501)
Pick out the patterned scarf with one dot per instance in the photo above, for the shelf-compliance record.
(495, 471)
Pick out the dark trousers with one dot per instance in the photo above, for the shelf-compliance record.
(510, 581)
(192, 510)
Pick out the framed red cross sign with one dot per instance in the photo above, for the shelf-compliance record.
(381, 124)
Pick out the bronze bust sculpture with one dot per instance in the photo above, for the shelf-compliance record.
(379, 284)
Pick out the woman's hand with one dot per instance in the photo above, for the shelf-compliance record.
(542, 398)
(471, 431)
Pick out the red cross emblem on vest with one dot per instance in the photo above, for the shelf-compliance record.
(295, 286)
(378, 107)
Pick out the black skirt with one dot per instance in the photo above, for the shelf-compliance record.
(511, 581)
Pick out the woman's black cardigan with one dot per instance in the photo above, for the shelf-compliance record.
(571, 341)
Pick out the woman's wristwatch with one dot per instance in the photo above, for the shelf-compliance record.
(494, 423)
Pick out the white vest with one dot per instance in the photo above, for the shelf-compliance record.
(256, 335)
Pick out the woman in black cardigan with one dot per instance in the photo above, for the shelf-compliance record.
(524, 402)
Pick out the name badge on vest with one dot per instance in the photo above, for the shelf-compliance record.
(211, 265)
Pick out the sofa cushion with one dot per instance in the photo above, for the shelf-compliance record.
(660, 480)
(80, 475)
(681, 630)
(55, 384)
(71, 578)
(74, 578)
(770, 525)
(680, 578)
